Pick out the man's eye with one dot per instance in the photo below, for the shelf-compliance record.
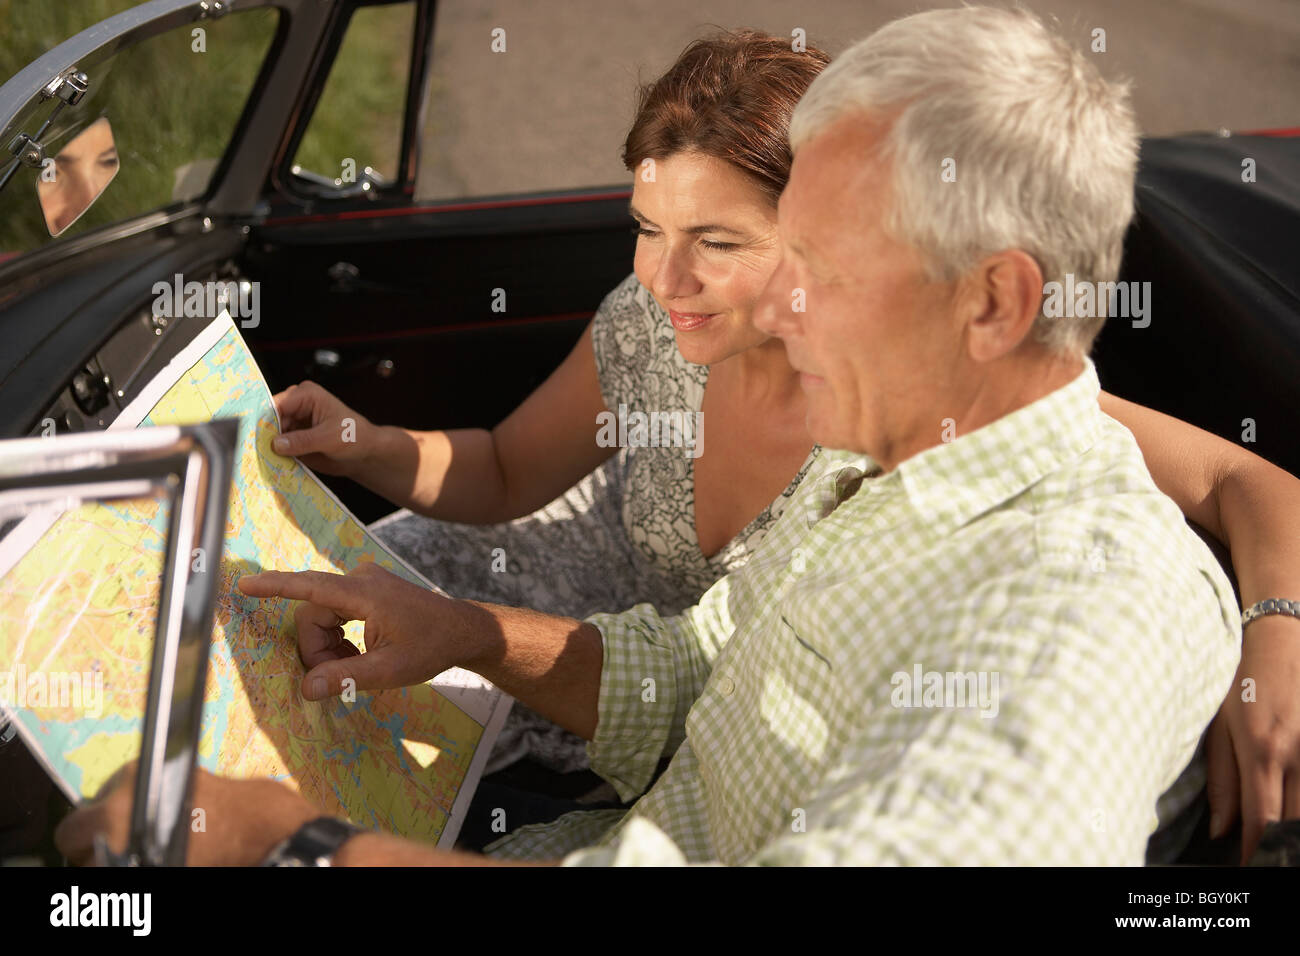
(721, 246)
(643, 231)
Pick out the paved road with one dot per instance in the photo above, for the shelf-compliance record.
(552, 110)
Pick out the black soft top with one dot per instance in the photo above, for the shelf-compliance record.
(1223, 259)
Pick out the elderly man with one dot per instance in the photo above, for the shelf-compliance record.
(982, 635)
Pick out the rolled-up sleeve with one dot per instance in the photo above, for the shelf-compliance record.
(641, 843)
(1063, 764)
(654, 670)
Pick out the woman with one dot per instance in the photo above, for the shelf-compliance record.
(657, 524)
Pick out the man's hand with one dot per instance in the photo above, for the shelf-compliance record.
(410, 634)
(316, 430)
(551, 664)
(1253, 748)
(243, 820)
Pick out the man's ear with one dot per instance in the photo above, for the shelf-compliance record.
(1000, 299)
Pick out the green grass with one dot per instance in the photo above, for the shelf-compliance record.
(360, 110)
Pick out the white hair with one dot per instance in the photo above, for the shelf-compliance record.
(1044, 149)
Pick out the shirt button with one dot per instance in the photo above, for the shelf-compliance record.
(726, 687)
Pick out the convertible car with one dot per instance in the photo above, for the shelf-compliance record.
(241, 163)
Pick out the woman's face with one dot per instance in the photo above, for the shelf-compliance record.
(706, 246)
(82, 170)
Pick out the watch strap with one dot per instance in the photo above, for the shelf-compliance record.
(315, 843)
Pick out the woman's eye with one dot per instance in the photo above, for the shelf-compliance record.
(706, 243)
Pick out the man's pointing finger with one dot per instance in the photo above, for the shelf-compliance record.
(336, 591)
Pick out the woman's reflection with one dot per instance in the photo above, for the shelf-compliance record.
(82, 170)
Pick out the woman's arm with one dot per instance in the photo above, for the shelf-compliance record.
(538, 452)
(1250, 505)
(1253, 508)
(470, 475)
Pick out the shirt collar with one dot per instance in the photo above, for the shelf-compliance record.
(953, 482)
(840, 478)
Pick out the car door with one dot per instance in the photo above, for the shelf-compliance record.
(394, 303)
(429, 314)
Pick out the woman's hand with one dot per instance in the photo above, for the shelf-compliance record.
(410, 632)
(320, 431)
(1253, 508)
(1254, 744)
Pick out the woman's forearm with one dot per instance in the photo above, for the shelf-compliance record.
(1253, 508)
(483, 477)
(450, 475)
(1259, 511)
(1247, 503)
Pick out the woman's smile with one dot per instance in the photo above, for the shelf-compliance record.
(690, 321)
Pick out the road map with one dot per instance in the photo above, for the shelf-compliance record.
(78, 608)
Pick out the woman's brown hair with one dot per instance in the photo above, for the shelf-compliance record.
(729, 96)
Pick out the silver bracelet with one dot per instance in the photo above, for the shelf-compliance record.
(1270, 606)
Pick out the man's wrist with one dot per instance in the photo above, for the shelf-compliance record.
(281, 812)
(316, 843)
(467, 627)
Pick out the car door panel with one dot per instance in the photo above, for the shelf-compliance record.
(472, 312)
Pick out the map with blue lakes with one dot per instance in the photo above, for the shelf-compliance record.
(78, 610)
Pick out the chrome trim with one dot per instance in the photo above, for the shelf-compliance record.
(192, 465)
(124, 29)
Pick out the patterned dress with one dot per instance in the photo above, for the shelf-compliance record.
(624, 535)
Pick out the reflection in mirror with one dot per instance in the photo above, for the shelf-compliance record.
(72, 181)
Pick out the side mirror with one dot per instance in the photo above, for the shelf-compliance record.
(70, 183)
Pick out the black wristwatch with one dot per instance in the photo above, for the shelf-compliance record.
(314, 844)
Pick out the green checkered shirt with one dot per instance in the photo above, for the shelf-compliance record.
(1006, 650)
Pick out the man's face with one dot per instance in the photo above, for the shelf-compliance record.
(877, 345)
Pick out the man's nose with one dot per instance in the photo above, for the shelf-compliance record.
(779, 304)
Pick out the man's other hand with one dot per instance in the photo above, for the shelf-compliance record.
(243, 820)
